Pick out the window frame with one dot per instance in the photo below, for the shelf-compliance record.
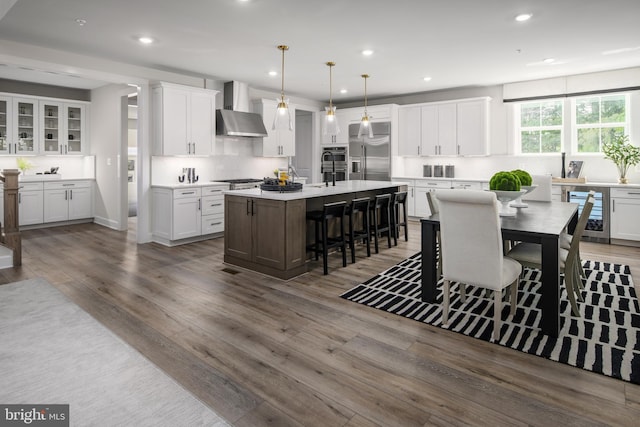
(519, 128)
(575, 126)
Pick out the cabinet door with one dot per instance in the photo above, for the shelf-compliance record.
(175, 110)
(80, 203)
(409, 131)
(56, 205)
(472, 128)
(429, 131)
(624, 218)
(75, 138)
(6, 129)
(447, 129)
(278, 143)
(187, 218)
(25, 122)
(268, 229)
(239, 219)
(30, 207)
(202, 123)
(287, 139)
(51, 127)
(421, 205)
(411, 197)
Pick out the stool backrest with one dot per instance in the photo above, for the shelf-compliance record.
(399, 197)
(383, 200)
(334, 210)
(360, 205)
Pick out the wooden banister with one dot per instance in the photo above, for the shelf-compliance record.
(11, 236)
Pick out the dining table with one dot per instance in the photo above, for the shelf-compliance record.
(540, 222)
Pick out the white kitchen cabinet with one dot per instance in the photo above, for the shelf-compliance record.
(472, 127)
(184, 215)
(183, 120)
(422, 187)
(30, 203)
(62, 128)
(466, 185)
(625, 211)
(439, 130)
(25, 126)
(6, 124)
(409, 131)
(279, 142)
(343, 136)
(68, 200)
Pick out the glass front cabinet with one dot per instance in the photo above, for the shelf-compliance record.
(5, 124)
(25, 123)
(62, 128)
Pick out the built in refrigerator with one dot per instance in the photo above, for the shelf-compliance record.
(370, 158)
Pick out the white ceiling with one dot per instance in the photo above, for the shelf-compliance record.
(455, 42)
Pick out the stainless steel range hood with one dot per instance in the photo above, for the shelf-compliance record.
(234, 119)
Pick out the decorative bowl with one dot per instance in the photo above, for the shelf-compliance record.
(504, 197)
(518, 203)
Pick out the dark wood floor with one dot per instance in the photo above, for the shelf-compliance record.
(261, 351)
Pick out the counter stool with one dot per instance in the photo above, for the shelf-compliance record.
(323, 242)
(399, 199)
(356, 232)
(380, 218)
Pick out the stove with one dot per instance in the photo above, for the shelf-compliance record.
(241, 183)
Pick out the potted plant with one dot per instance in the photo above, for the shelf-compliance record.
(621, 152)
(23, 164)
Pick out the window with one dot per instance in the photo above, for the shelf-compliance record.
(540, 127)
(597, 120)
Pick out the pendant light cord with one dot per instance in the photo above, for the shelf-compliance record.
(282, 48)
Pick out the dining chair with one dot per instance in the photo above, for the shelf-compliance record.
(543, 192)
(472, 252)
(530, 255)
(434, 209)
(565, 238)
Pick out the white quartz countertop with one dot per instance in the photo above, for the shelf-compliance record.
(318, 190)
(586, 184)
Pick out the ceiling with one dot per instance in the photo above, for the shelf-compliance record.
(458, 43)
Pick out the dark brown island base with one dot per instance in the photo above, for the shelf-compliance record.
(266, 231)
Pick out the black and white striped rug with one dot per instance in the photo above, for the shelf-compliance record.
(605, 339)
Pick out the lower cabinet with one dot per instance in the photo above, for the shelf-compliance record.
(187, 214)
(69, 200)
(625, 211)
(30, 203)
(265, 235)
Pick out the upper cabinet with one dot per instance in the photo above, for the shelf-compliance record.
(36, 126)
(448, 128)
(279, 143)
(62, 128)
(184, 120)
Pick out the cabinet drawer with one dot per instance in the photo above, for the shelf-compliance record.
(186, 192)
(467, 185)
(212, 191)
(212, 224)
(627, 193)
(30, 186)
(213, 205)
(433, 183)
(65, 185)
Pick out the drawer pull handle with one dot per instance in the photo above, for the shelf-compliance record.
(189, 192)
(216, 204)
(216, 223)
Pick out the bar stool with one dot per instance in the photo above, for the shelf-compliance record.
(356, 232)
(380, 218)
(399, 199)
(323, 242)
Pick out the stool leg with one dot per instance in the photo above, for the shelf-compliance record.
(365, 223)
(375, 229)
(396, 227)
(352, 244)
(316, 248)
(404, 218)
(344, 245)
(389, 228)
(325, 250)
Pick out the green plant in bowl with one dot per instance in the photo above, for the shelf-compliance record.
(504, 181)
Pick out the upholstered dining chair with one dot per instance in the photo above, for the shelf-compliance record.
(543, 192)
(530, 255)
(472, 252)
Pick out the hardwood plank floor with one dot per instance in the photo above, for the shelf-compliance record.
(261, 351)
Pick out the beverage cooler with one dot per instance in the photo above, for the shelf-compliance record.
(597, 228)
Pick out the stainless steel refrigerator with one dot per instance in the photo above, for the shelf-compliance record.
(370, 158)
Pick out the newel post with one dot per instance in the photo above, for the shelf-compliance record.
(12, 238)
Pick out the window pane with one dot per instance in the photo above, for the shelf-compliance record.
(551, 114)
(530, 142)
(588, 110)
(530, 115)
(613, 109)
(608, 134)
(551, 141)
(589, 140)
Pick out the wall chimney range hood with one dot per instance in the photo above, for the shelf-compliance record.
(234, 119)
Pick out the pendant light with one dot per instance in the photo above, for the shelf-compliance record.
(365, 125)
(330, 124)
(282, 120)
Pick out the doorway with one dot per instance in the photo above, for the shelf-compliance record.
(132, 158)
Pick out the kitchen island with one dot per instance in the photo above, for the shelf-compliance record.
(266, 231)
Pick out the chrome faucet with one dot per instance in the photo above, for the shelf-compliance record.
(333, 167)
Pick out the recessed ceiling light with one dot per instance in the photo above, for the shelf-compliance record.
(145, 40)
(523, 17)
(427, 79)
(343, 91)
(367, 52)
(81, 21)
(548, 60)
(273, 73)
